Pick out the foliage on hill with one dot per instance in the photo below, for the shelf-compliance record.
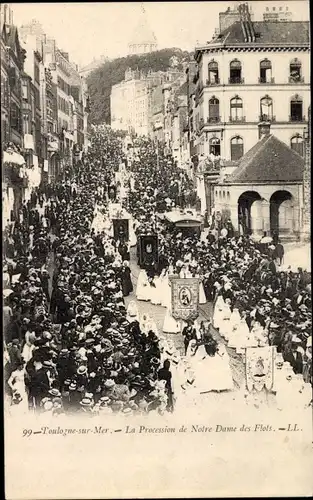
(100, 81)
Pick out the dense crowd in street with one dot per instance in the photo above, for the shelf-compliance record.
(71, 344)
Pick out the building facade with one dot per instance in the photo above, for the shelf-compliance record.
(250, 72)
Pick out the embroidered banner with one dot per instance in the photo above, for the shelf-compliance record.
(148, 250)
(121, 229)
(260, 368)
(185, 298)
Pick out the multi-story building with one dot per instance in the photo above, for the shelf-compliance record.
(249, 73)
(34, 145)
(12, 63)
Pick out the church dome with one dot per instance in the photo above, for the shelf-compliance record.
(143, 39)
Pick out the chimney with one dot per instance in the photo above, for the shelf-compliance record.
(264, 129)
(228, 18)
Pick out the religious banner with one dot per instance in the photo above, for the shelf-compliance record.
(121, 229)
(148, 251)
(185, 298)
(260, 368)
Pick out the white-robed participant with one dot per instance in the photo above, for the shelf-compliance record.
(156, 291)
(212, 373)
(19, 394)
(234, 322)
(143, 286)
(166, 297)
(218, 313)
(132, 313)
(132, 233)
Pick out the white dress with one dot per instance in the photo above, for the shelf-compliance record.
(143, 286)
(202, 297)
(170, 325)
(132, 313)
(132, 234)
(166, 295)
(156, 291)
(17, 384)
(225, 321)
(218, 312)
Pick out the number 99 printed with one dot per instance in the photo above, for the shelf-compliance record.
(27, 432)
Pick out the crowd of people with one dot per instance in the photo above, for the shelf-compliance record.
(71, 345)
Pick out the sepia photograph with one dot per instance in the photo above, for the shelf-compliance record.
(156, 225)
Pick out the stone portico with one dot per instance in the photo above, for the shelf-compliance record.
(265, 192)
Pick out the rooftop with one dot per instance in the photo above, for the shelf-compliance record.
(266, 33)
(269, 161)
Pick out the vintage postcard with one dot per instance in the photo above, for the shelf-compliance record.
(156, 204)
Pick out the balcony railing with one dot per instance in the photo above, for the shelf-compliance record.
(237, 118)
(295, 118)
(213, 119)
(265, 80)
(267, 118)
(212, 83)
(296, 79)
(236, 80)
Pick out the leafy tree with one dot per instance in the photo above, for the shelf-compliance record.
(101, 80)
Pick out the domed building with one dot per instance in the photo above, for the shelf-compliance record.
(143, 39)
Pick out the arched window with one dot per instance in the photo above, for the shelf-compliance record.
(215, 146)
(296, 109)
(213, 73)
(235, 72)
(236, 109)
(214, 110)
(236, 148)
(265, 71)
(295, 71)
(296, 143)
(266, 109)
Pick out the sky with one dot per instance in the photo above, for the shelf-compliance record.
(87, 30)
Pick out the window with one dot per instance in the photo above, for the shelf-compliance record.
(236, 109)
(37, 73)
(266, 109)
(235, 72)
(296, 109)
(265, 71)
(15, 118)
(236, 148)
(213, 73)
(33, 107)
(295, 71)
(296, 143)
(24, 90)
(215, 146)
(26, 124)
(214, 110)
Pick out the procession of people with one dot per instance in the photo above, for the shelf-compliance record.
(71, 343)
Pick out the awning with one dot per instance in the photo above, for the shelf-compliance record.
(13, 158)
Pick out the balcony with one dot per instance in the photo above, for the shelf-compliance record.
(297, 119)
(237, 119)
(213, 119)
(266, 81)
(210, 83)
(296, 79)
(235, 80)
(267, 118)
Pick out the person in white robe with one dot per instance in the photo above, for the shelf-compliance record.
(17, 384)
(132, 233)
(218, 312)
(156, 291)
(166, 297)
(132, 313)
(143, 286)
(232, 333)
(144, 323)
(202, 297)
(224, 326)
(28, 348)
